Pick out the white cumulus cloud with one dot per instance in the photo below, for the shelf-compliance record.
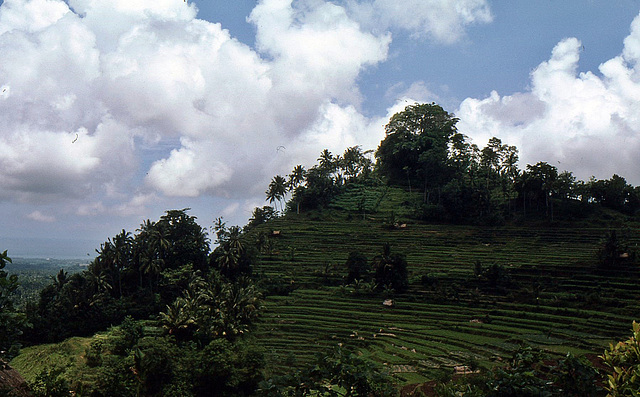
(110, 106)
(587, 123)
(443, 21)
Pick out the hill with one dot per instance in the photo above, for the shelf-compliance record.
(550, 294)
(439, 261)
(475, 293)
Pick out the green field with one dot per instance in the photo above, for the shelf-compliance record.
(557, 298)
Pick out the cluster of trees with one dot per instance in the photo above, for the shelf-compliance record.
(316, 187)
(140, 275)
(184, 314)
(135, 275)
(387, 270)
(130, 361)
(459, 181)
(183, 311)
(423, 149)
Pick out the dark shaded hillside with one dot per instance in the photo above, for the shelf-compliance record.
(549, 291)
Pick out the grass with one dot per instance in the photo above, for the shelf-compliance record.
(70, 354)
(558, 299)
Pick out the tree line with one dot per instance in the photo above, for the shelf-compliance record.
(457, 180)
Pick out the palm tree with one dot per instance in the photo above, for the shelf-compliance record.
(327, 161)
(105, 261)
(178, 317)
(296, 177)
(238, 308)
(60, 280)
(152, 265)
(235, 241)
(277, 190)
(152, 246)
(122, 254)
(228, 261)
(100, 281)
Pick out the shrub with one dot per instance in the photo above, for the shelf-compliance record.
(357, 266)
(623, 359)
(576, 377)
(615, 251)
(50, 382)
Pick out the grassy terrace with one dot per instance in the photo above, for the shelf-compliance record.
(558, 300)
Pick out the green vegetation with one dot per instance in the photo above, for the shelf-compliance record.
(441, 267)
(11, 322)
(624, 361)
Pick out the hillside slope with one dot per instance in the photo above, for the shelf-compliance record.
(551, 294)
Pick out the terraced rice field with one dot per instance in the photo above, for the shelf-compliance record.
(558, 300)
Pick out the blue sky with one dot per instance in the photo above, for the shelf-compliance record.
(114, 111)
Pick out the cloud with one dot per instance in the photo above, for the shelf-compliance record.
(417, 91)
(587, 123)
(110, 107)
(40, 217)
(443, 21)
(188, 172)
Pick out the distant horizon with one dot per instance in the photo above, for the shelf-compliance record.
(49, 247)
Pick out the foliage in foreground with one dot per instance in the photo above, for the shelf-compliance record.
(134, 359)
(530, 373)
(11, 322)
(623, 359)
(339, 374)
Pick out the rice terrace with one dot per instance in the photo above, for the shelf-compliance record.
(556, 298)
(430, 267)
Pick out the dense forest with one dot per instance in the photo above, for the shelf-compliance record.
(165, 311)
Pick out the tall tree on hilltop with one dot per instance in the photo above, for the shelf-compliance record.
(122, 255)
(538, 183)
(416, 147)
(188, 242)
(151, 244)
(105, 262)
(354, 162)
(296, 177)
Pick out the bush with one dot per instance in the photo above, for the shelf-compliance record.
(357, 266)
(125, 336)
(391, 270)
(623, 359)
(576, 377)
(615, 251)
(154, 363)
(93, 354)
(50, 383)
